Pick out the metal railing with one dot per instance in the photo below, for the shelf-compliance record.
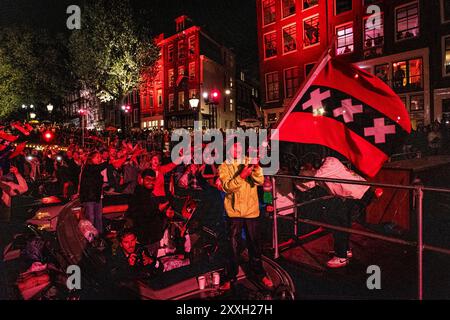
(418, 190)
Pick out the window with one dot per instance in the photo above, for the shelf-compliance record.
(171, 97)
(192, 45)
(150, 99)
(136, 115)
(231, 105)
(288, 7)
(342, 6)
(181, 100)
(170, 53)
(446, 58)
(407, 75)
(308, 68)
(289, 38)
(181, 71)
(270, 45)
(382, 71)
(407, 22)
(192, 71)
(417, 103)
(268, 11)
(344, 39)
(309, 4)
(272, 87)
(311, 31)
(291, 81)
(373, 32)
(171, 77)
(181, 49)
(445, 11)
(160, 102)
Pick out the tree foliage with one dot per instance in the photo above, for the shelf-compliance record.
(109, 53)
(33, 69)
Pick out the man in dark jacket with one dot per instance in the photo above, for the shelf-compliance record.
(133, 261)
(147, 211)
(91, 187)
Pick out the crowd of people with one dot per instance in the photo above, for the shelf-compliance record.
(227, 198)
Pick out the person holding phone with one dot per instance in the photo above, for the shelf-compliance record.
(239, 181)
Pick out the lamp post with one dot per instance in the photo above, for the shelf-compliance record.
(32, 115)
(50, 109)
(193, 102)
(126, 109)
(82, 113)
(31, 107)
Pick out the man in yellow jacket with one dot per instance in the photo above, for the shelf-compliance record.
(239, 181)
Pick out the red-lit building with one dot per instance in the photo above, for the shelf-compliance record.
(406, 45)
(191, 64)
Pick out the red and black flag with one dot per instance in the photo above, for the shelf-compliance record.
(348, 110)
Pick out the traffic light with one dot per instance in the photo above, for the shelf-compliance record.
(215, 96)
(48, 136)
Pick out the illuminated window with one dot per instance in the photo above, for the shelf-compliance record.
(171, 97)
(268, 11)
(291, 81)
(272, 87)
(342, 6)
(309, 4)
(407, 75)
(191, 70)
(288, 7)
(311, 31)
(344, 39)
(289, 38)
(446, 48)
(150, 99)
(270, 45)
(171, 77)
(170, 53)
(407, 21)
(181, 71)
(160, 101)
(181, 100)
(191, 45)
(373, 32)
(181, 49)
(417, 103)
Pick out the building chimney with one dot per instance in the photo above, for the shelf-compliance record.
(181, 22)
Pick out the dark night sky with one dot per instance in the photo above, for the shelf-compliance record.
(232, 22)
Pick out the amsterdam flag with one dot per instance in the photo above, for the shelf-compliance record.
(348, 110)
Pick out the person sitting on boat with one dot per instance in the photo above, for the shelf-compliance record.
(132, 260)
(148, 213)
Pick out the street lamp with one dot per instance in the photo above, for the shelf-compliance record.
(193, 102)
(50, 107)
(32, 115)
(126, 109)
